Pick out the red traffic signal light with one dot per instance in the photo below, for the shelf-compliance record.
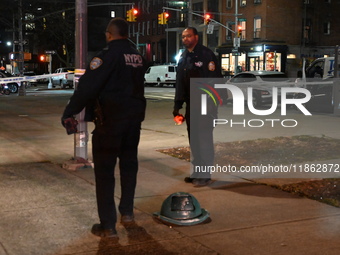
(207, 18)
(134, 11)
(42, 58)
(131, 15)
(239, 31)
(163, 18)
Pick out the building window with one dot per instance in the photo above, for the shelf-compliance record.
(257, 1)
(229, 31)
(154, 27)
(138, 27)
(197, 7)
(243, 25)
(327, 28)
(229, 4)
(257, 28)
(143, 28)
(148, 28)
(243, 2)
(327, 1)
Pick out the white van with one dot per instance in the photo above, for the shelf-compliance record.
(160, 75)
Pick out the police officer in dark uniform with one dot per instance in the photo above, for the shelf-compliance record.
(112, 90)
(197, 61)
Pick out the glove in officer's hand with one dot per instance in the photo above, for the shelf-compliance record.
(175, 112)
(70, 124)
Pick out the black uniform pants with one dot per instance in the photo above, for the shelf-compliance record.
(120, 140)
(200, 133)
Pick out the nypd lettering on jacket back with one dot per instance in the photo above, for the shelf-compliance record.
(134, 60)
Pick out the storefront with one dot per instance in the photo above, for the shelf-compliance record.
(252, 57)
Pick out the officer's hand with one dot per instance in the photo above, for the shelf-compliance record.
(175, 112)
(70, 124)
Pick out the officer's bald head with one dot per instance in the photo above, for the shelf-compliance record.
(117, 28)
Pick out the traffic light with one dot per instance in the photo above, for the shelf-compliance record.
(131, 15)
(134, 13)
(207, 18)
(160, 19)
(43, 58)
(128, 15)
(239, 31)
(163, 18)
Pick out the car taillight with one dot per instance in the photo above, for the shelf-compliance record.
(66, 76)
(166, 75)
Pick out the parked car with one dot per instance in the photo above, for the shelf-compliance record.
(160, 75)
(319, 81)
(262, 83)
(13, 86)
(65, 79)
(31, 82)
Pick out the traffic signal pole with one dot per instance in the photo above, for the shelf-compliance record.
(22, 88)
(236, 44)
(81, 137)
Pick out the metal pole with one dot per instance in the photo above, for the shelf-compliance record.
(137, 40)
(190, 13)
(81, 137)
(14, 30)
(236, 29)
(22, 89)
(336, 83)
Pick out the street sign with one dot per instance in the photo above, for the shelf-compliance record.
(237, 42)
(236, 53)
(210, 29)
(242, 19)
(24, 42)
(177, 4)
(49, 51)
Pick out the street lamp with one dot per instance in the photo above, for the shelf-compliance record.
(9, 43)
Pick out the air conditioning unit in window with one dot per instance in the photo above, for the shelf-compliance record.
(257, 1)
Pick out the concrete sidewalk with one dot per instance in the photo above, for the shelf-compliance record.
(46, 209)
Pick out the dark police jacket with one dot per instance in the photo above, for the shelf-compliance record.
(200, 63)
(115, 79)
